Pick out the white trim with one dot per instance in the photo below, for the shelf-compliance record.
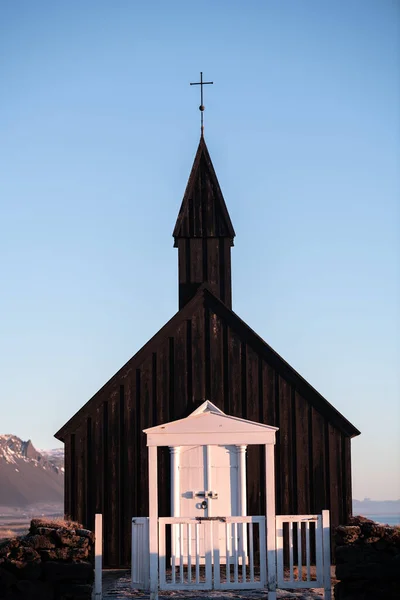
(175, 454)
(326, 549)
(270, 519)
(207, 406)
(242, 486)
(153, 523)
(98, 556)
(211, 438)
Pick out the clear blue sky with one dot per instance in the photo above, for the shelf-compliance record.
(99, 127)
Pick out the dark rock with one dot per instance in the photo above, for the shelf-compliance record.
(372, 532)
(24, 553)
(36, 524)
(40, 542)
(34, 590)
(64, 554)
(67, 537)
(385, 570)
(86, 533)
(24, 570)
(69, 591)
(79, 553)
(347, 534)
(48, 531)
(7, 545)
(361, 553)
(367, 590)
(7, 579)
(359, 520)
(64, 572)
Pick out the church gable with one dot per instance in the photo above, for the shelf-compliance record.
(207, 352)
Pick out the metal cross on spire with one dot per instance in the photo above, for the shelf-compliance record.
(201, 107)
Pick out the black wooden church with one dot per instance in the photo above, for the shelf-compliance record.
(204, 352)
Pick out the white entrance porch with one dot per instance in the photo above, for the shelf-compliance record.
(210, 542)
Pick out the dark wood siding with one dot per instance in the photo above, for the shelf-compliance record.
(205, 356)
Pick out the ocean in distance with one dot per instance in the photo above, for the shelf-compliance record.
(385, 519)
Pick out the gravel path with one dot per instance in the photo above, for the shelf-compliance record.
(116, 586)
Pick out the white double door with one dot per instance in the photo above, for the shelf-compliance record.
(209, 482)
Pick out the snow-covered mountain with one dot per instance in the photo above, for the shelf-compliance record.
(29, 476)
(55, 456)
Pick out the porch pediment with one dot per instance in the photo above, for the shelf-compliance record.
(209, 425)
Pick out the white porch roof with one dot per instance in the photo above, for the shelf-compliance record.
(209, 425)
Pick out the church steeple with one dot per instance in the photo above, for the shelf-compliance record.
(204, 233)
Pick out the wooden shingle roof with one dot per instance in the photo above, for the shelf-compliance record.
(203, 212)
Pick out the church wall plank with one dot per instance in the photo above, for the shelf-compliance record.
(106, 478)
(254, 453)
(335, 474)
(143, 420)
(196, 264)
(98, 465)
(285, 441)
(225, 271)
(225, 368)
(213, 275)
(216, 361)
(346, 478)
(89, 460)
(68, 477)
(112, 483)
(184, 260)
(235, 374)
(301, 450)
(267, 391)
(122, 478)
(162, 416)
(198, 360)
(180, 371)
(80, 512)
(319, 461)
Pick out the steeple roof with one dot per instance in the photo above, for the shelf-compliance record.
(203, 212)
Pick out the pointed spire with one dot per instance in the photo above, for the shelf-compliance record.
(204, 233)
(203, 211)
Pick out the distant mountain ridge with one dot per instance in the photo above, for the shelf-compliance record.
(376, 507)
(29, 476)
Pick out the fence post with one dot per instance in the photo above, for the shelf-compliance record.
(326, 548)
(98, 557)
(270, 518)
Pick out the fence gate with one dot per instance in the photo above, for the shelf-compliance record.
(212, 553)
(303, 543)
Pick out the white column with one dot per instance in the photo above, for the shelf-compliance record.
(175, 453)
(242, 492)
(242, 499)
(208, 483)
(153, 522)
(326, 545)
(270, 517)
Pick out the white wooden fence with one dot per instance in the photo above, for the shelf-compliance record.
(230, 553)
(307, 540)
(212, 553)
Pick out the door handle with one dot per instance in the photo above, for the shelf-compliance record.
(204, 504)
